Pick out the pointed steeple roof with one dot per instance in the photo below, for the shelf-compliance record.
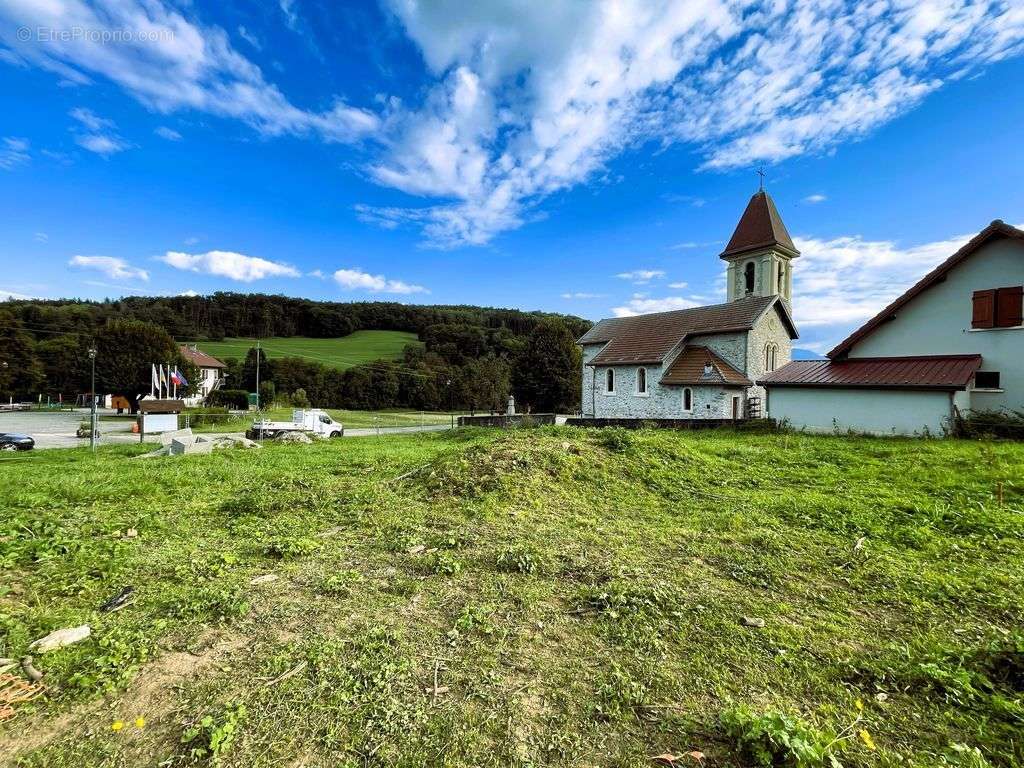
(760, 227)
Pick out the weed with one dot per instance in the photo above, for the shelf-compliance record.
(290, 547)
(777, 739)
(444, 563)
(519, 559)
(339, 584)
(210, 738)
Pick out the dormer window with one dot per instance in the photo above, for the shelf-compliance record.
(998, 308)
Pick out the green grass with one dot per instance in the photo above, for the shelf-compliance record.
(345, 352)
(547, 597)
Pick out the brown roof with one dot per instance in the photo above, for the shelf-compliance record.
(649, 338)
(994, 231)
(689, 368)
(925, 372)
(760, 227)
(161, 406)
(200, 359)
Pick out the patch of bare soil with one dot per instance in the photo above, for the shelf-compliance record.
(150, 696)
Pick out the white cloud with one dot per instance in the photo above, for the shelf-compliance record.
(536, 98)
(641, 305)
(250, 38)
(91, 120)
(236, 266)
(318, 274)
(102, 145)
(678, 286)
(817, 198)
(41, 237)
(13, 152)
(101, 137)
(356, 279)
(190, 293)
(6, 295)
(641, 276)
(583, 295)
(167, 133)
(111, 266)
(169, 63)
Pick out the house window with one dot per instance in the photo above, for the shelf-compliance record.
(687, 399)
(998, 307)
(986, 380)
(641, 381)
(748, 276)
(610, 381)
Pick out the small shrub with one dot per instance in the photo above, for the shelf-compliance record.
(988, 424)
(473, 618)
(211, 737)
(776, 739)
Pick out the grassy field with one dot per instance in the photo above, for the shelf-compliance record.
(550, 597)
(344, 352)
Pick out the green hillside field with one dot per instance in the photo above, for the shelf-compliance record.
(344, 352)
(550, 597)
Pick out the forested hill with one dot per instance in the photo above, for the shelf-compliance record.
(248, 315)
(471, 357)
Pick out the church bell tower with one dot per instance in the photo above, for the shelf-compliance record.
(760, 253)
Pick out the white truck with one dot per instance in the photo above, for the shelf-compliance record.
(313, 421)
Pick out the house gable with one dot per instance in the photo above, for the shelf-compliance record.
(995, 232)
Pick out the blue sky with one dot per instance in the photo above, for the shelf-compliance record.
(587, 158)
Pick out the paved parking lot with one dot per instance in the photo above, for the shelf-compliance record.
(56, 429)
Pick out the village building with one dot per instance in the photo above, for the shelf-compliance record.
(211, 372)
(953, 343)
(704, 362)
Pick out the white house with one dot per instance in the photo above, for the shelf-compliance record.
(211, 372)
(952, 343)
(701, 363)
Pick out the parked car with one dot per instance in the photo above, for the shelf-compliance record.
(12, 441)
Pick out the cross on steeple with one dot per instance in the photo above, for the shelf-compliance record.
(761, 173)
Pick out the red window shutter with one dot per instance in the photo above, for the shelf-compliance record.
(1009, 307)
(984, 315)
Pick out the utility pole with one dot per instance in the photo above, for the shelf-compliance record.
(257, 374)
(92, 398)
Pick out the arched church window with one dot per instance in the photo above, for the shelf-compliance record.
(641, 381)
(770, 352)
(748, 275)
(687, 399)
(610, 380)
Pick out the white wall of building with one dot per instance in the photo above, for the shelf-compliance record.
(874, 411)
(938, 322)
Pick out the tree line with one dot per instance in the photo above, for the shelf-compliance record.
(470, 357)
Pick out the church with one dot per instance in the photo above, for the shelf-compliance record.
(703, 362)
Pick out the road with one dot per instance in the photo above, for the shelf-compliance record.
(56, 429)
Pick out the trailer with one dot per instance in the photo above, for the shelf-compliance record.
(313, 421)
